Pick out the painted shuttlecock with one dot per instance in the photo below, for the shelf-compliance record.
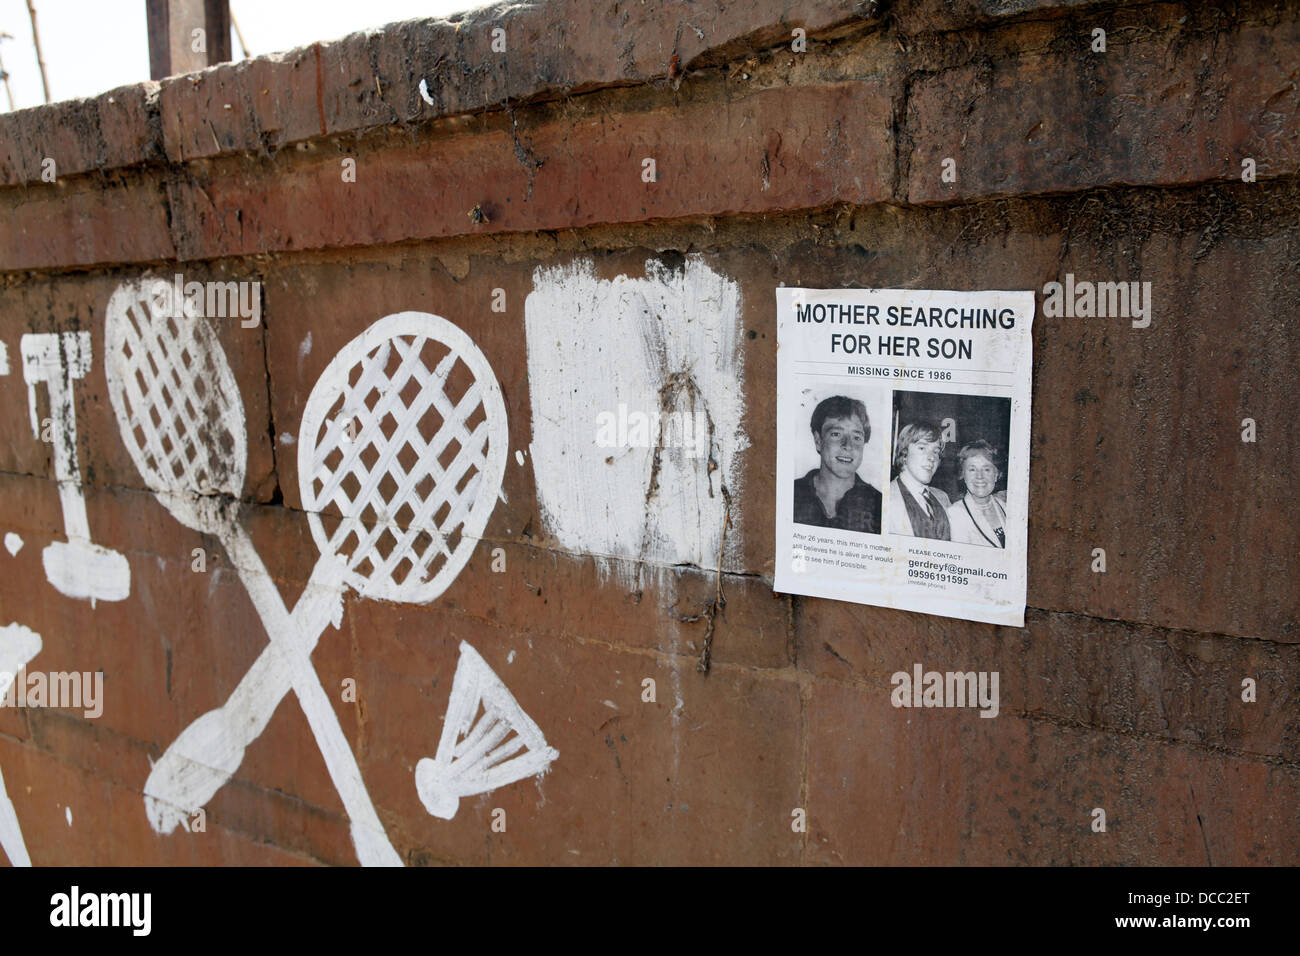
(487, 741)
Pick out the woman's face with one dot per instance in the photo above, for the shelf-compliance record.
(981, 476)
(840, 445)
(923, 460)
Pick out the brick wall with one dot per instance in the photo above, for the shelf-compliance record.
(818, 168)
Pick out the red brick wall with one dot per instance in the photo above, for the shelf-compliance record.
(820, 168)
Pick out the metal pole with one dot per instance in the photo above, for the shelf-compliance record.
(36, 39)
(239, 34)
(5, 76)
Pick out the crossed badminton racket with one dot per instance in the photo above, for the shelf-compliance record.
(182, 420)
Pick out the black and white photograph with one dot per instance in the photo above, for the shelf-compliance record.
(839, 464)
(948, 468)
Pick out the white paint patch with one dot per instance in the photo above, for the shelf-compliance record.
(478, 754)
(669, 344)
(304, 349)
(610, 704)
(67, 813)
(519, 457)
(510, 658)
(13, 543)
(287, 438)
(85, 571)
(77, 568)
(4, 359)
(18, 645)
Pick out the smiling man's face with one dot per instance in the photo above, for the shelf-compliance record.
(840, 444)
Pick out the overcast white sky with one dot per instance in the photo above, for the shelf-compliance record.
(95, 45)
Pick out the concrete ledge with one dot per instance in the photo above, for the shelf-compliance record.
(372, 79)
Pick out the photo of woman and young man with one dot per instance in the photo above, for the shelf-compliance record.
(948, 490)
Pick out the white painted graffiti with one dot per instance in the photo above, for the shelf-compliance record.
(77, 568)
(669, 342)
(18, 645)
(401, 456)
(487, 741)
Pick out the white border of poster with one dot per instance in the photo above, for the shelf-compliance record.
(913, 491)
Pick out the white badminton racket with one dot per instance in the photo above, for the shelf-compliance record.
(182, 419)
(401, 454)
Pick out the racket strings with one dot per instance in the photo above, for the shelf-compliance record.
(171, 392)
(402, 498)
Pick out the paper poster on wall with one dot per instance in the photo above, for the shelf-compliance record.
(903, 449)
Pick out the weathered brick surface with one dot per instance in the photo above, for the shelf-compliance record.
(556, 48)
(1176, 686)
(787, 139)
(706, 774)
(108, 825)
(83, 222)
(944, 787)
(768, 150)
(1053, 116)
(371, 80)
(111, 131)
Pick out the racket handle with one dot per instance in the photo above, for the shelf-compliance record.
(207, 753)
(11, 836)
(294, 647)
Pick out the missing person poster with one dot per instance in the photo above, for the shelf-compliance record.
(903, 449)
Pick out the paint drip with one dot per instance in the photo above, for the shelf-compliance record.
(668, 345)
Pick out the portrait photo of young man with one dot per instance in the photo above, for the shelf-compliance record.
(916, 507)
(834, 495)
